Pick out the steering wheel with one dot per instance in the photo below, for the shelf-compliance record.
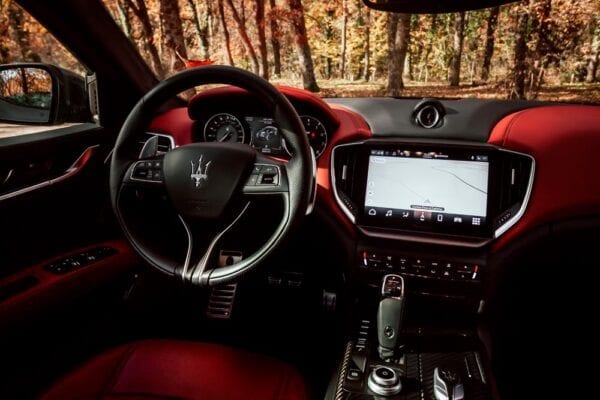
(213, 183)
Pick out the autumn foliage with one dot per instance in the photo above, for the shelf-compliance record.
(522, 50)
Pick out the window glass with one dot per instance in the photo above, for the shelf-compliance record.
(538, 49)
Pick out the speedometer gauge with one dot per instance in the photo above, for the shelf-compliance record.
(316, 132)
(224, 128)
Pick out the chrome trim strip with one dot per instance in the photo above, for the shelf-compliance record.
(74, 169)
(515, 218)
(188, 254)
(423, 239)
(201, 265)
(336, 195)
(480, 367)
(313, 196)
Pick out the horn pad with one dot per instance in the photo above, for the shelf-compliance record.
(202, 178)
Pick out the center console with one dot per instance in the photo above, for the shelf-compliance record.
(425, 213)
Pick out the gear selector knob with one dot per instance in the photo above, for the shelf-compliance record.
(389, 314)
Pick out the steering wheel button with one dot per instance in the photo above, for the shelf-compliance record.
(267, 179)
(252, 180)
(269, 170)
(141, 173)
(257, 169)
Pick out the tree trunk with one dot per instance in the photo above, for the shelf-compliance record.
(367, 59)
(457, 47)
(225, 32)
(202, 27)
(520, 66)
(16, 20)
(262, 40)
(428, 47)
(594, 56)
(398, 30)
(275, 40)
(244, 35)
(592, 68)
(141, 12)
(541, 12)
(490, 40)
(302, 46)
(123, 17)
(173, 40)
(343, 31)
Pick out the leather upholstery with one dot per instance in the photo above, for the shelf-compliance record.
(162, 369)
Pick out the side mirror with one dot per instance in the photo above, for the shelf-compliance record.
(42, 94)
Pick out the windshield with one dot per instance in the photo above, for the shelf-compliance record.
(537, 49)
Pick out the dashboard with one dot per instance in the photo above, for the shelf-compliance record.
(485, 173)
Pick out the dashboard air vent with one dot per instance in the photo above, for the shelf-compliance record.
(344, 168)
(514, 185)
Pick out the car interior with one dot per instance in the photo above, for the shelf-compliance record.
(254, 241)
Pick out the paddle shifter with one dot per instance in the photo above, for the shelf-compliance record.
(389, 315)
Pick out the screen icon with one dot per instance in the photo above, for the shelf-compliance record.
(405, 214)
(372, 211)
(458, 220)
(440, 217)
(422, 215)
(388, 213)
(476, 221)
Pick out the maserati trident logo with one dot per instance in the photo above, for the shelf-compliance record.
(199, 173)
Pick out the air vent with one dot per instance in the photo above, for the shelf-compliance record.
(345, 166)
(429, 114)
(514, 186)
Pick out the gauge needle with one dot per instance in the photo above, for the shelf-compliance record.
(226, 136)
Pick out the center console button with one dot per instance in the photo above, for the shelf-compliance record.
(354, 375)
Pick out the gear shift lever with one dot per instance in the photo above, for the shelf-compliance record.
(389, 314)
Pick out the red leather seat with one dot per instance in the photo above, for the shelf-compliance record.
(163, 369)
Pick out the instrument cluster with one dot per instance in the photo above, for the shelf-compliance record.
(262, 133)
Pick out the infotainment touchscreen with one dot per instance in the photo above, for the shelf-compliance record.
(411, 188)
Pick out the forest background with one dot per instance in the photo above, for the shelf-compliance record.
(533, 49)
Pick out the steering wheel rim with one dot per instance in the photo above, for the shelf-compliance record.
(296, 179)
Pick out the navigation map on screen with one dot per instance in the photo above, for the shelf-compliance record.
(424, 188)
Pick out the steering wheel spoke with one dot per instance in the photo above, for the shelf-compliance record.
(201, 249)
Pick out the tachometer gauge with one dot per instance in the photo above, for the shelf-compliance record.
(316, 132)
(224, 128)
